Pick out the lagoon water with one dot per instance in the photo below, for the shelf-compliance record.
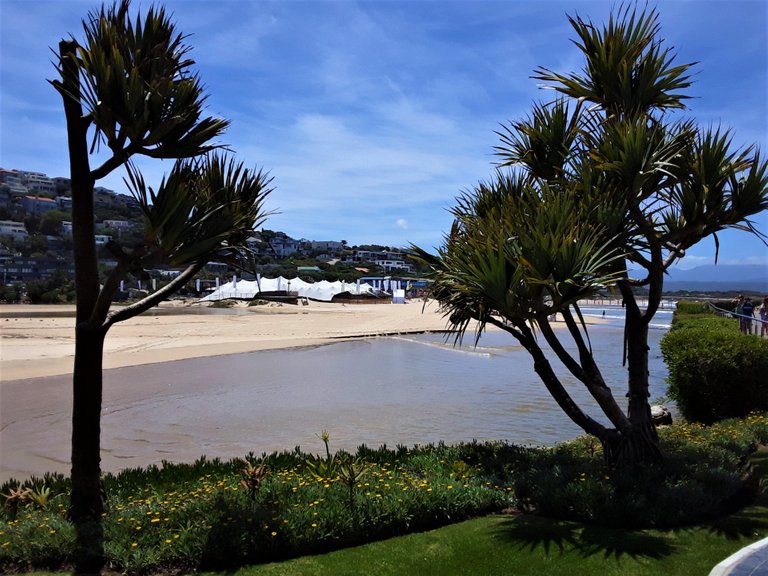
(407, 390)
(398, 390)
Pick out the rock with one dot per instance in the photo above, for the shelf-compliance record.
(661, 416)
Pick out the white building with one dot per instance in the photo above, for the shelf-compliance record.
(330, 246)
(38, 182)
(14, 229)
(12, 179)
(120, 225)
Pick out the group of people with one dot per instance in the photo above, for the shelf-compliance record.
(745, 309)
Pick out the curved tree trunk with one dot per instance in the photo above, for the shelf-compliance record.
(543, 368)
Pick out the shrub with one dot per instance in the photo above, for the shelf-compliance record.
(685, 307)
(715, 372)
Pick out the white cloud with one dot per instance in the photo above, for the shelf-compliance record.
(402, 223)
(372, 113)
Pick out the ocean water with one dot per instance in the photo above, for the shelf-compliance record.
(396, 390)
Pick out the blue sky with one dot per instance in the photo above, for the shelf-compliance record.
(373, 116)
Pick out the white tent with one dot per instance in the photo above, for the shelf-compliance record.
(323, 290)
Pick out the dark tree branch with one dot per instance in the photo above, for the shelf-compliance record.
(107, 293)
(154, 298)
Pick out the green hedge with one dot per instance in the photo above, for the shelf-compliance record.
(715, 372)
(692, 308)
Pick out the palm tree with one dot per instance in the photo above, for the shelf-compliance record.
(596, 179)
(127, 91)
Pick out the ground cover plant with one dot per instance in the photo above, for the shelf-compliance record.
(216, 515)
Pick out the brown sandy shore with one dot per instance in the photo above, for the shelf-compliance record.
(37, 341)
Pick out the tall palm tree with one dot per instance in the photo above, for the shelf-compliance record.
(598, 178)
(128, 90)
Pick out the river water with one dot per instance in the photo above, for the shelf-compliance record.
(395, 390)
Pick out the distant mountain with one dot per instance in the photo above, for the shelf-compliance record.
(719, 278)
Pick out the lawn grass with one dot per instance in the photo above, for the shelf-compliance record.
(530, 545)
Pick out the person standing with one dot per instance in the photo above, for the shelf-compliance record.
(764, 317)
(747, 310)
(737, 311)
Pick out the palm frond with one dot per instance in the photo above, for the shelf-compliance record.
(627, 72)
(136, 87)
(205, 209)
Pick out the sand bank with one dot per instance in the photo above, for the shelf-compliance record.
(37, 341)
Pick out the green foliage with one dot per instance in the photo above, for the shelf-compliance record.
(590, 180)
(12, 293)
(50, 222)
(715, 372)
(186, 517)
(252, 477)
(688, 308)
(57, 289)
(205, 208)
(136, 85)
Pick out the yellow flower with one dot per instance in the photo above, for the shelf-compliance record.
(134, 545)
(274, 533)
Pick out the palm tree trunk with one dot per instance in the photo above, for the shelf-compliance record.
(87, 503)
(543, 368)
(639, 444)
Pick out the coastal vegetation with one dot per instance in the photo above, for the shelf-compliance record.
(715, 371)
(214, 515)
(129, 91)
(597, 182)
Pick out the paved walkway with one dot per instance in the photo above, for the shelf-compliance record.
(749, 561)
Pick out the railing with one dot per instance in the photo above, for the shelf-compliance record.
(748, 324)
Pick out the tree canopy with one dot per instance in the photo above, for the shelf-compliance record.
(598, 181)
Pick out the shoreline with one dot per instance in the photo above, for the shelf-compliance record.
(37, 354)
(39, 341)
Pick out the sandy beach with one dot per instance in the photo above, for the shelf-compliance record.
(36, 341)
